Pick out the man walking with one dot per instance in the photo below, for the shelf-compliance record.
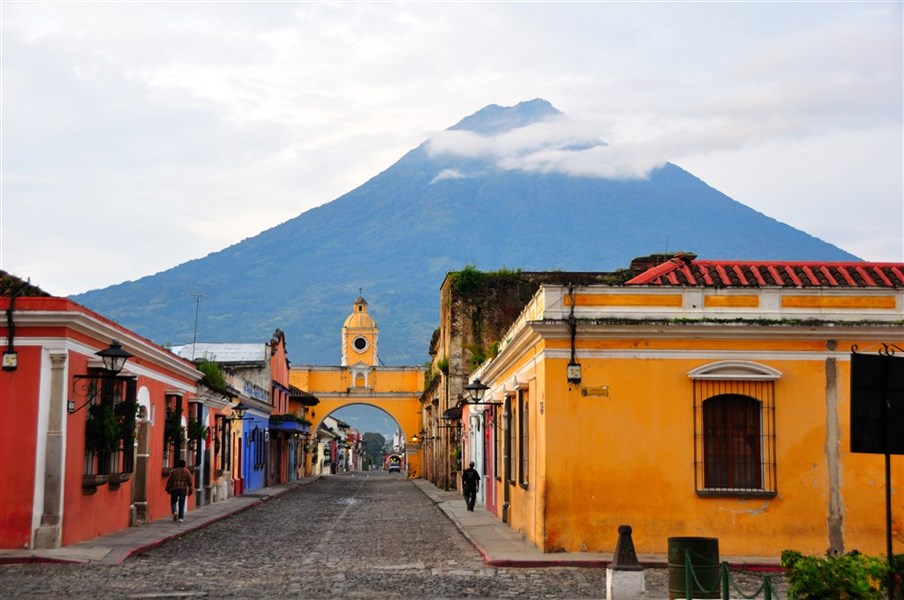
(179, 484)
(470, 481)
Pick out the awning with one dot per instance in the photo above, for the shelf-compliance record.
(306, 398)
(291, 426)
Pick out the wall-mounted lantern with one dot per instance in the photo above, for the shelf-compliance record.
(114, 358)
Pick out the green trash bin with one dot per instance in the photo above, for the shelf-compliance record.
(704, 554)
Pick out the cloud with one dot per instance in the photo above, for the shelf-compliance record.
(196, 125)
(448, 174)
(557, 145)
(576, 148)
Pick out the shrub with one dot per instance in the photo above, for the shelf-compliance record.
(851, 576)
(467, 281)
(213, 376)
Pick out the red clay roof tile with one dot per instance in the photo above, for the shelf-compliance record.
(681, 271)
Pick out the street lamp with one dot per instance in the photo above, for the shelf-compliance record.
(114, 358)
(476, 391)
(239, 412)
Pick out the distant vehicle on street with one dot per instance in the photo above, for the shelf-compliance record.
(395, 463)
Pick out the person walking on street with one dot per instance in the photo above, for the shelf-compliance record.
(470, 481)
(179, 483)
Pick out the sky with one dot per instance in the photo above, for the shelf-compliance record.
(135, 136)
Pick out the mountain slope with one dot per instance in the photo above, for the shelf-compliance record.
(424, 216)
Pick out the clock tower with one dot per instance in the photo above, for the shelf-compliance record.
(359, 337)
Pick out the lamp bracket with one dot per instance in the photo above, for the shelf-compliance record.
(82, 386)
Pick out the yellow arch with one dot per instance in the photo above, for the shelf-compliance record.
(395, 390)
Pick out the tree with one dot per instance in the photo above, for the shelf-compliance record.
(374, 447)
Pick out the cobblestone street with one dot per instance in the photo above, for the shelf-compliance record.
(353, 536)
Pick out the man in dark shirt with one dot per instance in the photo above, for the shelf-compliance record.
(470, 481)
(179, 483)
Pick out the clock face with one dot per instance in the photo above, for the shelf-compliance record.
(360, 344)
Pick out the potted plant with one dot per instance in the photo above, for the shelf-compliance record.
(101, 429)
(125, 414)
(101, 435)
(173, 433)
(196, 431)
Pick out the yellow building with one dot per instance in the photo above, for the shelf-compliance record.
(701, 398)
(361, 379)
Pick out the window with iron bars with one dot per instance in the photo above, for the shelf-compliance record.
(524, 434)
(110, 425)
(734, 438)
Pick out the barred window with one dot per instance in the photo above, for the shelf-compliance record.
(257, 441)
(173, 431)
(511, 441)
(731, 443)
(734, 430)
(498, 441)
(110, 424)
(524, 434)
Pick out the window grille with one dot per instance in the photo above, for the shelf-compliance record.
(221, 445)
(196, 447)
(128, 441)
(734, 437)
(257, 440)
(524, 432)
(109, 400)
(510, 441)
(173, 432)
(498, 443)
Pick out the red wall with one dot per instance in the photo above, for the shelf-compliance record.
(18, 417)
(84, 516)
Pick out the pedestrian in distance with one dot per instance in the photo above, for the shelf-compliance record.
(178, 484)
(470, 481)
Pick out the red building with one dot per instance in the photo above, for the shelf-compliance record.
(83, 449)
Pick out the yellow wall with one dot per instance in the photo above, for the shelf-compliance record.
(624, 455)
(628, 459)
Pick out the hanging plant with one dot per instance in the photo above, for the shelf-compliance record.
(196, 431)
(172, 428)
(126, 413)
(101, 429)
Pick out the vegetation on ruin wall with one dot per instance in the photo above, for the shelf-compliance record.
(484, 305)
